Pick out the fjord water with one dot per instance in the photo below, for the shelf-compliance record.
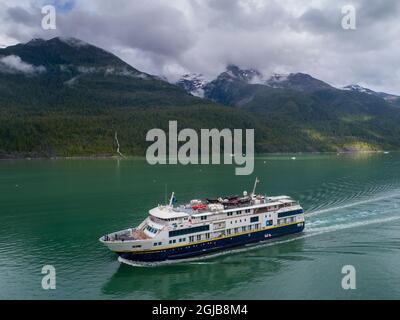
(53, 212)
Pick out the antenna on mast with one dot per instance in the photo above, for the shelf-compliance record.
(171, 202)
(255, 186)
(166, 194)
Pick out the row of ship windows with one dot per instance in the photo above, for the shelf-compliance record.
(232, 231)
(276, 207)
(199, 237)
(199, 229)
(229, 214)
(242, 229)
(252, 220)
(286, 221)
(197, 245)
(270, 222)
(239, 212)
(182, 232)
(228, 232)
(260, 210)
(151, 229)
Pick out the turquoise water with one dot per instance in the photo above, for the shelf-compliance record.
(53, 212)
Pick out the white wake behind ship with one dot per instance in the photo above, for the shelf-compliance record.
(197, 228)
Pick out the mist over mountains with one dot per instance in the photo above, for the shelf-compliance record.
(65, 97)
(195, 83)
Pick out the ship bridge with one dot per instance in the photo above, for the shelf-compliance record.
(167, 213)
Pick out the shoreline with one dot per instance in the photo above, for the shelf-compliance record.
(91, 157)
(117, 157)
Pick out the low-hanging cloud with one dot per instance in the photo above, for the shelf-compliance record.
(14, 64)
(170, 38)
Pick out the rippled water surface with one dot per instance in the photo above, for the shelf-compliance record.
(53, 212)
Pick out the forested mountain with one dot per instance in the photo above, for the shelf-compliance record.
(65, 97)
(310, 111)
(68, 73)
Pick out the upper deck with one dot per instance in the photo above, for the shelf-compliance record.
(198, 208)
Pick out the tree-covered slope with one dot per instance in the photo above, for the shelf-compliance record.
(67, 73)
(63, 97)
(322, 117)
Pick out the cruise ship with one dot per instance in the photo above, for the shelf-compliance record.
(172, 232)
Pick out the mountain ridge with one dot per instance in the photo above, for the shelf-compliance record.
(90, 73)
(313, 108)
(65, 97)
(391, 98)
(296, 81)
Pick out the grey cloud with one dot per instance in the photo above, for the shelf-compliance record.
(20, 15)
(161, 30)
(322, 21)
(20, 23)
(373, 11)
(203, 36)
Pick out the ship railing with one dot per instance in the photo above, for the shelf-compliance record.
(126, 235)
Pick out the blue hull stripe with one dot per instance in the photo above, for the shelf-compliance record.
(211, 246)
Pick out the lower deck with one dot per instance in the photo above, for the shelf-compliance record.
(206, 247)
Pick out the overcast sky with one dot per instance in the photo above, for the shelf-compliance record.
(174, 37)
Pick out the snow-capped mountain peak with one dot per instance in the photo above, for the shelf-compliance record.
(357, 88)
(386, 96)
(193, 84)
(296, 81)
(251, 76)
(277, 79)
(73, 42)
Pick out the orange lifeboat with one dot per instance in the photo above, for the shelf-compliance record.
(199, 207)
